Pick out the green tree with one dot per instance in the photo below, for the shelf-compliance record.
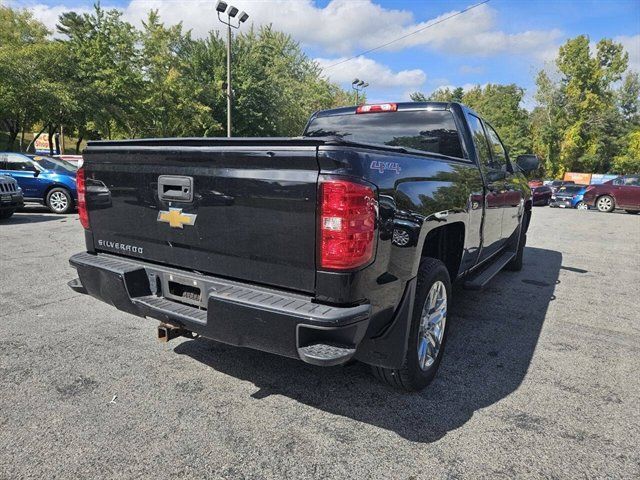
(18, 28)
(170, 102)
(24, 54)
(589, 140)
(547, 124)
(107, 73)
(629, 98)
(629, 159)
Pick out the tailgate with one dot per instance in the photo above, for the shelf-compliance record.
(250, 213)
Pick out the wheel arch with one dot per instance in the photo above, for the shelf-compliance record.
(57, 185)
(446, 243)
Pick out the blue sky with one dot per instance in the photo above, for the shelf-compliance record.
(501, 41)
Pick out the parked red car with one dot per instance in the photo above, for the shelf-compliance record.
(622, 192)
(535, 183)
(541, 195)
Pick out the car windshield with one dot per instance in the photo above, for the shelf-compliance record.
(427, 130)
(54, 164)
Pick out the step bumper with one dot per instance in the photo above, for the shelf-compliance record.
(231, 312)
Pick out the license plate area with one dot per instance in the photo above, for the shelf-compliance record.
(183, 290)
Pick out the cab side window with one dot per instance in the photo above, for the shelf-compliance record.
(632, 181)
(18, 162)
(480, 142)
(498, 153)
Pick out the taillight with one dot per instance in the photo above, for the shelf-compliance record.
(347, 224)
(381, 107)
(82, 202)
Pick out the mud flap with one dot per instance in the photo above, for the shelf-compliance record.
(389, 348)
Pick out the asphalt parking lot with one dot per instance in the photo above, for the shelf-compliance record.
(540, 378)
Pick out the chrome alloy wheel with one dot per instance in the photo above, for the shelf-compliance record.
(582, 206)
(58, 201)
(605, 204)
(432, 324)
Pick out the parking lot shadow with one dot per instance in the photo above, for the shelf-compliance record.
(493, 336)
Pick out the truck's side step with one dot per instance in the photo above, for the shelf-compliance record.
(326, 354)
(479, 281)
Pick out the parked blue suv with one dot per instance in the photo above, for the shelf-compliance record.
(43, 179)
(569, 196)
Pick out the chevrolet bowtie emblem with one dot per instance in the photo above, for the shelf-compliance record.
(175, 218)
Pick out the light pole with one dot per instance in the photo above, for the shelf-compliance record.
(231, 12)
(358, 86)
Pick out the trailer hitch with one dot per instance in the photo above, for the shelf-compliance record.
(167, 332)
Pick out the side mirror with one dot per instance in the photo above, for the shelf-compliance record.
(528, 163)
(36, 172)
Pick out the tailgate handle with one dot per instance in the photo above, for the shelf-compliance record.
(174, 188)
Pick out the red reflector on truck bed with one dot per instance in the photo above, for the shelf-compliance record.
(380, 107)
(347, 224)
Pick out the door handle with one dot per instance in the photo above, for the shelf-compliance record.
(173, 188)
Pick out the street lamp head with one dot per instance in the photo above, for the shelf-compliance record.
(233, 11)
(355, 81)
(221, 6)
(365, 85)
(243, 17)
(361, 83)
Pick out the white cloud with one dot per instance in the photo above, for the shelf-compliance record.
(631, 44)
(372, 72)
(346, 26)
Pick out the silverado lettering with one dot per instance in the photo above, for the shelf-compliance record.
(120, 246)
(302, 246)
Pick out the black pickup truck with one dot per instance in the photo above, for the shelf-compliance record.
(341, 244)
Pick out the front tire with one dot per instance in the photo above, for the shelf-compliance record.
(605, 204)
(59, 200)
(4, 214)
(428, 330)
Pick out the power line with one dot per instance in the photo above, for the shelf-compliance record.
(407, 35)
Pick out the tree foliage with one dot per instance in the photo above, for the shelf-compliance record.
(107, 79)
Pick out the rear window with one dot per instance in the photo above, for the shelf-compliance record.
(430, 131)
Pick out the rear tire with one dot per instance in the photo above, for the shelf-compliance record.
(582, 206)
(59, 200)
(4, 214)
(605, 204)
(427, 332)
